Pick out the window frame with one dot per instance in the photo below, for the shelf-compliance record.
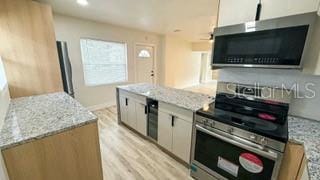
(108, 41)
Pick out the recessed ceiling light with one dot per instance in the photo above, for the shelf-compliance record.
(82, 2)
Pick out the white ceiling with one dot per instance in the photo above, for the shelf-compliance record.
(195, 18)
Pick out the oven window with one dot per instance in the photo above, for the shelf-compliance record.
(282, 46)
(212, 153)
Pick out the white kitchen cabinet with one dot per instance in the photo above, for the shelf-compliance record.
(235, 12)
(165, 130)
(275, 8)
(174, 134)
(132, 118)
(141, 116)
(174, 123)
(132, 111)
(181, 138)
(123, 110)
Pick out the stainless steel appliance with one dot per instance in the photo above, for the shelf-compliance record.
(275, 43)
(152, 130)
(242, 135)
(65, 66)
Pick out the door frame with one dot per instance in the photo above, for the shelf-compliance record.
(155, 68)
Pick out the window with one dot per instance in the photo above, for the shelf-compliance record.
(144, 54)
(103, 62)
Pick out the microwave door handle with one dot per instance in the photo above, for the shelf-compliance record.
(239, 142)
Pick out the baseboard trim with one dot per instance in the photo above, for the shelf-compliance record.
(101, 106)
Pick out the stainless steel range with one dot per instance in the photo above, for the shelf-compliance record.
(242, 135)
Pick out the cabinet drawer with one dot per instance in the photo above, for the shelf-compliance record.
(184, 114)
(135, 97)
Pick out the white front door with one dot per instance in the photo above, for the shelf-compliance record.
(144, 57)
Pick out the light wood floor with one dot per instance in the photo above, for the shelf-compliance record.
(125, 155)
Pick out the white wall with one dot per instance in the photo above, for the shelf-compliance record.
(308, 108)
(181, 65)
(72, 29)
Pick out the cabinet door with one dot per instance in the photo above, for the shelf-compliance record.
(291, 162)
(181, 139)
(132, 120)
(123, 110)
(164, 130)
(236, 12)
(275, 8)
(141, 116)
(28, 48)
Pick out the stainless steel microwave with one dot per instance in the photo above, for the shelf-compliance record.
(273, 43)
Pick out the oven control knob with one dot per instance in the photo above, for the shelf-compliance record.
(200, 120)
(230, 130)
(205, 121)
(263, 141)
(253, 137)
(212, 124)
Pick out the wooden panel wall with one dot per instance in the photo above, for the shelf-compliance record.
(71, 155)
(28, 48)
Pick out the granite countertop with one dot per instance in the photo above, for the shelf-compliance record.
(181, 98)
(35, 117)
(307, 132)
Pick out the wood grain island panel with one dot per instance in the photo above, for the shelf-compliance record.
(70, 155)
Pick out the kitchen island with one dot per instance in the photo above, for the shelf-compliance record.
(50, 137)
(172, 130)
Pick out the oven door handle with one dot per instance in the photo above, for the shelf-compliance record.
(237, 141)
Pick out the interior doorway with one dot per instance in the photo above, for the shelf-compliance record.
(206, 73)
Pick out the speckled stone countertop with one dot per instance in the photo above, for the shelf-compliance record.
(35, 117)
(307, 132)
(181, 98)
